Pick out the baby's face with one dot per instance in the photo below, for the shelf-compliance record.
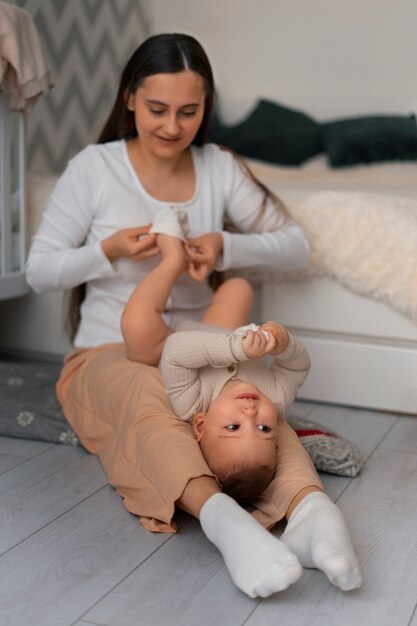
(240, 424)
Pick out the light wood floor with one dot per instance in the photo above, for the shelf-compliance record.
(72, 556)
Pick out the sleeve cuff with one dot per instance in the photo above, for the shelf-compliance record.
(288, 352)
(223, 262)
(237, 348)
(105, 262)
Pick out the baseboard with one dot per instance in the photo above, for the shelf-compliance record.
(379, 377)
(30, 355)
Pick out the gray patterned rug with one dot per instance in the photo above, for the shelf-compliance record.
(29, 408)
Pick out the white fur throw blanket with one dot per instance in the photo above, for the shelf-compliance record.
(361, 222)
(368, 242)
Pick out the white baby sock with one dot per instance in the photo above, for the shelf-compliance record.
(317, 533)
(171, 222)
(258, 563)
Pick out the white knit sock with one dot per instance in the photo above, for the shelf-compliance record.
(258, 563)
(317, 533)
(173, 222)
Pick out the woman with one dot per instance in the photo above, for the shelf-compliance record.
(152, 155)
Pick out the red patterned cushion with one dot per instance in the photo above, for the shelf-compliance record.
(328, 451)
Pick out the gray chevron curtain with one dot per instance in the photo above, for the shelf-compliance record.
(87, 43)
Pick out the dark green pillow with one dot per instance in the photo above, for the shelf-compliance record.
(271, 133)
(370, 139)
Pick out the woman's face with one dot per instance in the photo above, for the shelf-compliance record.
(168, 110)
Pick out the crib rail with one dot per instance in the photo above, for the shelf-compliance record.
(12, 202)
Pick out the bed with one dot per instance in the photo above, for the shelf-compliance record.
(12, 202)
(355, 306)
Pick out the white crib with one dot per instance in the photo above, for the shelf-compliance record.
(12, 202)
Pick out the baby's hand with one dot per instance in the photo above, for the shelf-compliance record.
(280, 335)
(255, 344)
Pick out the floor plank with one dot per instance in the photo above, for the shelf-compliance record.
(7, 462)
(184, 584)
(334, 486)
(414, 618)
(25, 448)
(56, 575)
(380, 507)
(403, 435)
(42, 488)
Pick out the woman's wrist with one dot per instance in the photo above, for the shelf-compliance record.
(220, 241)
(108, 250)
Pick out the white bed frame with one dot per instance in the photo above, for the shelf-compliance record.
(12, 202)
(363, 353)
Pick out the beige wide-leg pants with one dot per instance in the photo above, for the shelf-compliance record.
(120, 412)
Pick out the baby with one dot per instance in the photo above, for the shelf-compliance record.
(218, 381)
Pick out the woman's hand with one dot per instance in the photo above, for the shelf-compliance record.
(133, 243)
(203, 253)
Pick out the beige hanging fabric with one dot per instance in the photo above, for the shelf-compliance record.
(24, 73)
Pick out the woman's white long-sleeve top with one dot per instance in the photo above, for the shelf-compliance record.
(100, 193)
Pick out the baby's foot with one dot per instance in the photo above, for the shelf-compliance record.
(171, 222)
(258, 563)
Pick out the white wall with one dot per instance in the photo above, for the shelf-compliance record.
(330, 58)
